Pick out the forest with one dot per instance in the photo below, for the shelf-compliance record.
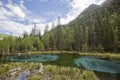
(96, 29)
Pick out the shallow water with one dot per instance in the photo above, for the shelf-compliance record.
(23, 76)
(92, 63)
(34, 58)
(67, 60)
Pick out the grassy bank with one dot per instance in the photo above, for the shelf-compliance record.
(61, 69)
(64, 73)
(53, 72)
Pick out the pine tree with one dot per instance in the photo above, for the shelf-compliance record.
(59, 36)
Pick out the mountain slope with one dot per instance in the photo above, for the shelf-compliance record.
(89, 14)
(97, 28)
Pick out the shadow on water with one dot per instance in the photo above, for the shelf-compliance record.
(66, 60)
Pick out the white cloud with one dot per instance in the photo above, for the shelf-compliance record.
(37, 21)
(41, 27)
(77, 6)
(100, 1)
(14, 27)
(4, 14)
(11, 12)
(16, 10)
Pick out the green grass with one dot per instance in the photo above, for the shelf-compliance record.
(62, 69)
(111, 56)
(5, 68)
(64, 73)
(53, 71)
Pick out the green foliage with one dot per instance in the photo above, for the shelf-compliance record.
(65, 73)
(84, 48)
(38, 44)
(100, 48)
(69, 38)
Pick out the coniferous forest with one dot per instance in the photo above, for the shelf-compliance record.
(96, 29)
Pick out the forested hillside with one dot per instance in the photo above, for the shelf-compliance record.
(96, 29)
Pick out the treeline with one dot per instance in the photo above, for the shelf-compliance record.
(98, 31)
(12, 44)
(103, 35)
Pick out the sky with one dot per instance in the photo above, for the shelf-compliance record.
(19, 16)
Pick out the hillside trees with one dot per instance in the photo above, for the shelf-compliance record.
(95, 30)
(45, 38)
(69, 38)
(77, 38)
(115, 31)
(2, 47)
(53, 37)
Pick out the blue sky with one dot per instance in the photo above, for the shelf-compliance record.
(18, 16)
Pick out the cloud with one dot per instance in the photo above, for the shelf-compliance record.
(16, 10)
(14, 19)
(100, 1)
(14, 27)
(41, 27)
(77, 6)
(36, 21)
(8, 13)
(4, 13)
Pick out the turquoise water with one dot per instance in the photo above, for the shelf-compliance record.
(70, 60)
(34, 58)
(92, 63)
